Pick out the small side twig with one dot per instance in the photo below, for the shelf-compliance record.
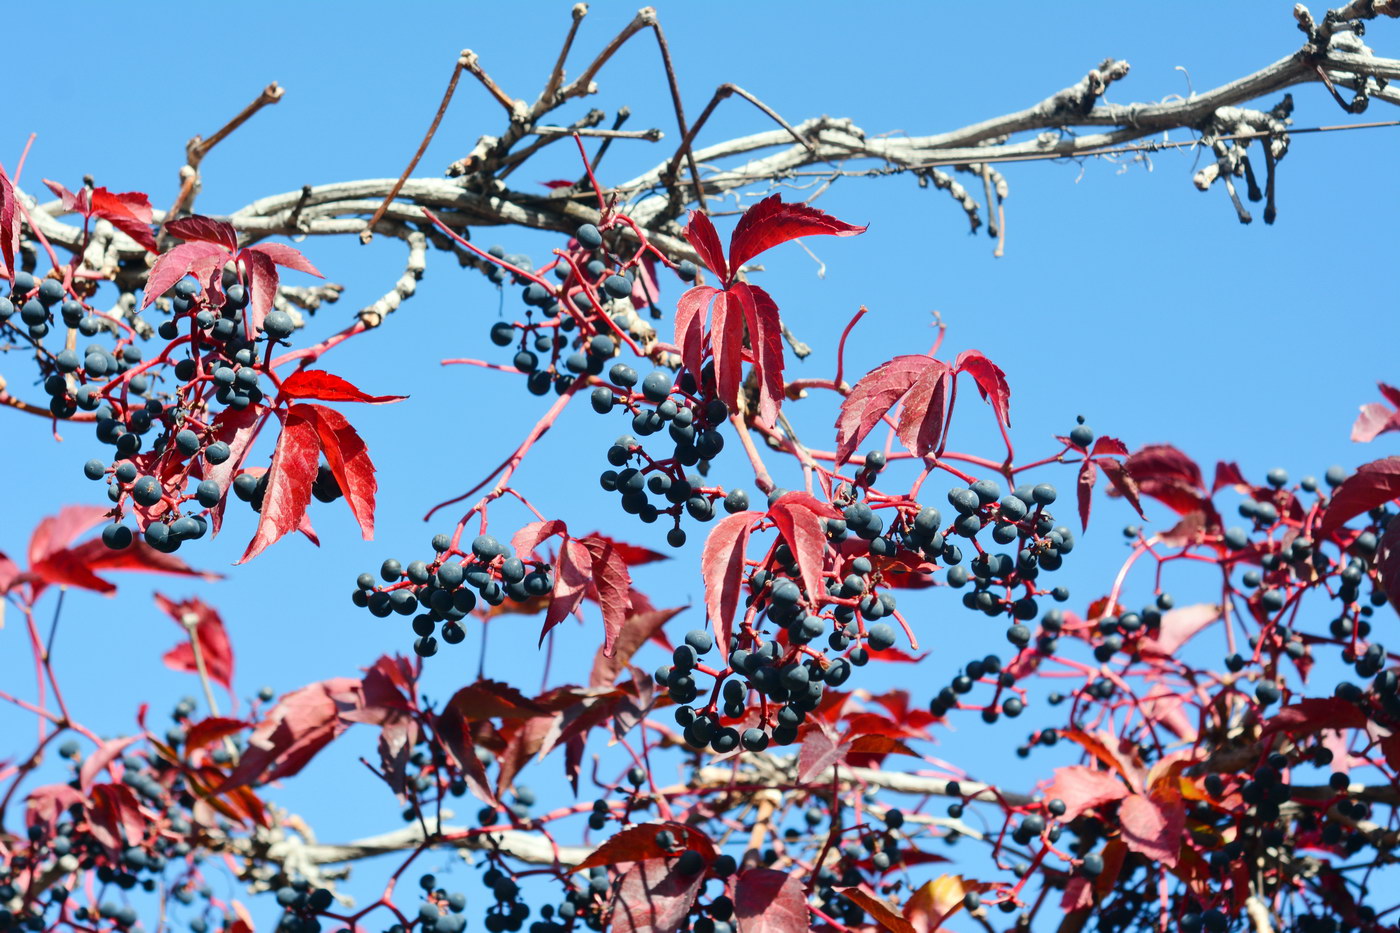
(466, 60)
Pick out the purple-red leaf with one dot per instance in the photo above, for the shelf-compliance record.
(1153, 828)
(1088, 472)
(703, 238)
(771, 222)
(766, 339)
(1083, 788)
(262, 289)
(991, 383)
(722, 568)
(201, 623)
(287, 256)
(820, 749)
(1388, 563)
(653, 897)
(289, 479)
(871, 399)
(1122, 482)
(922, 419)
(529, 537)
(198, 228)
(612, 587)
(348, 458)
(690, 326)
(1178, 627)
(768, 901)
(9, 230)
(1373, 484)
(727, 344)
(797, 516)
(174, 264)
(1227, 473)
(238, 429)
(573, 572)
(638, 843)
(328, 387)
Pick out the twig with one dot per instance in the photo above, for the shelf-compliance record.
(198, 147)
(465, 60)
(556, 76)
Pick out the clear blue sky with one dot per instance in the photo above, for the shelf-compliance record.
(1125, 294)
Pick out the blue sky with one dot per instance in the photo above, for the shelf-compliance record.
(1125, 294)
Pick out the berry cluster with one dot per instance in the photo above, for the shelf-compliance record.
(585, 313)
(693, 425)
(162, 484)
(445, 590)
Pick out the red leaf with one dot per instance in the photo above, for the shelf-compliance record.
(301, 724)
(214, 646)
(652, 897)
(921, 420)
(1168, 475)
(9, 573)
(114, 816)
(1392, 394)
(690, 326)
(237, 429)
(703, 238)
(768, 901)
(800, 527)
(991, 383)
(871, 399)
(529, 537)
(633, 555)
(203, 229)
(210, 730)
(573, 572)
(612, 587)
(46, 804)
(771, 222)
(453, 729)
(129, 212)
(174, 264)
(139, 557)
(636, 630)
(9, 230)
(883, 912)
(1088, 472)
(97, 762)
(879, 745)
(1152, 828)
(287, 256)
(638, 843)
(348, 459)
(489, 699)
(727, 345)
(1227, 474)
(1123, 482)
(820, 749)
(1106, 445)
(722, 568)
(328, 387)
(289, 479)
(55, 533)
(1083, 788)
(1373, 484)
(766, 339)
(1388, 563)
(1315, 714)
(1374, 420)
(242, 920)
(1178, 627)
(262, 289)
